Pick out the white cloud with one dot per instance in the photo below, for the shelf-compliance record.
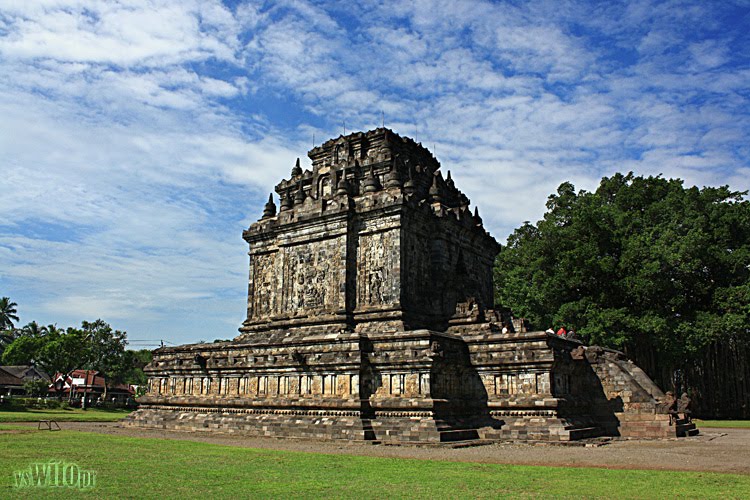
(139, 137)
(123, 169)
(123, 34)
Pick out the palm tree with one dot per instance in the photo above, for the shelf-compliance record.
(8, 313)
(34, 330)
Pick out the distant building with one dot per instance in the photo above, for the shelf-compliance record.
(89, 383)
(12, 378)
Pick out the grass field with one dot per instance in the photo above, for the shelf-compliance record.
(732, 424)
(69, 415)
(155, 468)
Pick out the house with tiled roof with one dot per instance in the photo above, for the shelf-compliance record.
(88, 383)
(12, 378)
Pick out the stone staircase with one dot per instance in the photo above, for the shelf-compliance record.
(684, 428)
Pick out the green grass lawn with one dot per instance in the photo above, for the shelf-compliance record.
(732, 424)
(69, 415)
(155, 468)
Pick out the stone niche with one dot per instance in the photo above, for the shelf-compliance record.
(370, 316)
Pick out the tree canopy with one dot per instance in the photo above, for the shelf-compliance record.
(641, 263)
(94, 346)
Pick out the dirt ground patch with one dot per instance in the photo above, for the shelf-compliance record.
(716, 450)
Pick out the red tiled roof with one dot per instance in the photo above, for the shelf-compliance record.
(91, 377)
(91, 380)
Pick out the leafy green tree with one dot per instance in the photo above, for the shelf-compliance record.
(51, 349)
(105, 349)
(131, 367)
(95, 346)
(31, 330)
(61, 351)
(642, 264)
(22, 351)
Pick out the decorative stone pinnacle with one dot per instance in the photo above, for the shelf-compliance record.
(297, 170)
(477, 217)
(342, 189)
(449, 180)
(409, 186)
(393, 179)
(286, 202)
(371, 183)
(435, 190)
(299, 197)
(270, 209)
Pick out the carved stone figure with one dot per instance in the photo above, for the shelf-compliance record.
(669, 406)
(684, 407)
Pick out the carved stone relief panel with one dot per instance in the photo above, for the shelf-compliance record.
(265, 284)
(377, 268)
(311, 274)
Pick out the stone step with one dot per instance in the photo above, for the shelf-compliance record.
(585, 433)
(458, 435)
(684, 430)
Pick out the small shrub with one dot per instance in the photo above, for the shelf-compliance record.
(36, 387)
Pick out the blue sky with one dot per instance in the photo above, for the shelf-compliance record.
(138, 138)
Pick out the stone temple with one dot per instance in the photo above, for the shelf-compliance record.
(370, 317)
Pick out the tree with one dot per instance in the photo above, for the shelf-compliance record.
(8, 313)
(61, 351)
(34, 330)
(31, 330)
(94, 347)
(36, 387)
(642, 264)
(105, 349)
(131, 367)
(22, 351)
(51, 349)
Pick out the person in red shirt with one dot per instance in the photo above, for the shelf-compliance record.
(561, 332)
